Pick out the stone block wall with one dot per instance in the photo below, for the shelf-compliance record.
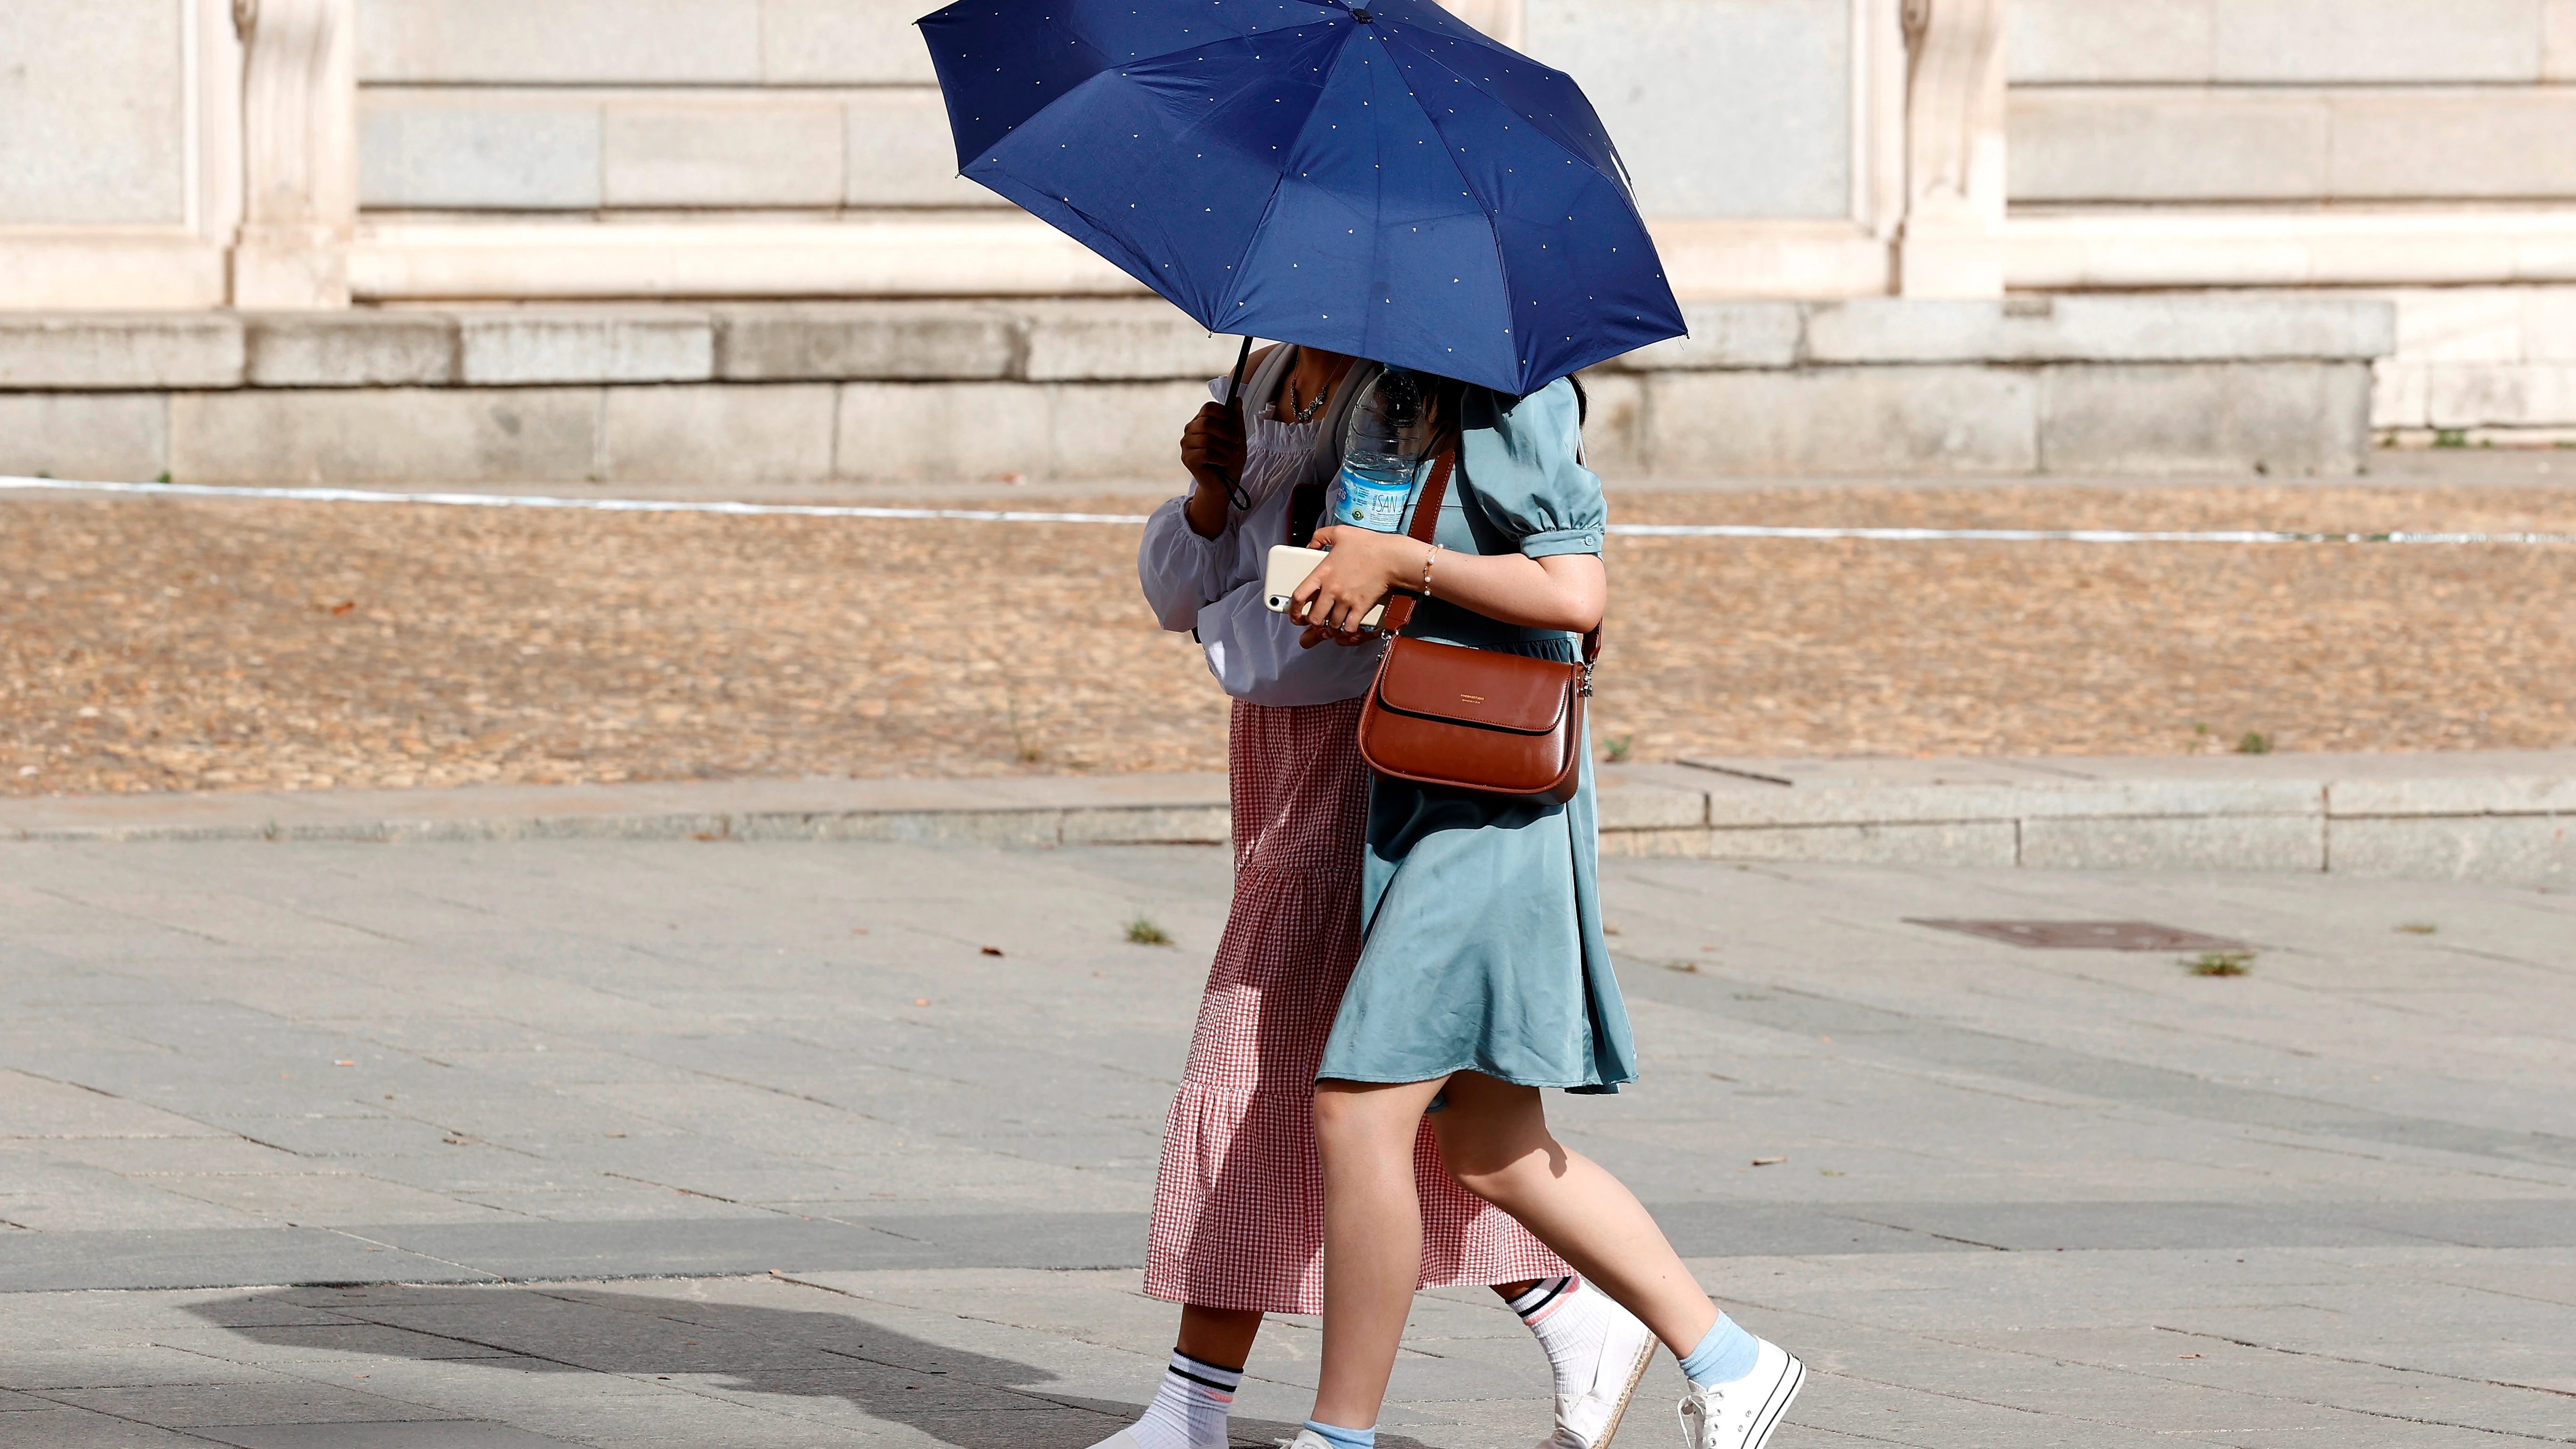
(2414, 150)
(605, 105)
(731, 396)
(2220, 101)
(93, 114)
(155, 154)
(2486, 363)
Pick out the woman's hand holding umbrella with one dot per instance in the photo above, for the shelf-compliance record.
(1212, 449)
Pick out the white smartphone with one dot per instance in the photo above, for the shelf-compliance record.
(1286, 568)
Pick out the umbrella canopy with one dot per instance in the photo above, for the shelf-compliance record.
(1378, 180)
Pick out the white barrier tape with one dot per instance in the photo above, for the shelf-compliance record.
(2068, 535)
(982, 515)
(600, 505)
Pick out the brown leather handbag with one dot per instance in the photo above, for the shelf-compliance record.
(1473, 719)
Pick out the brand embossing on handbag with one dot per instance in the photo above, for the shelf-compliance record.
(1516, 726)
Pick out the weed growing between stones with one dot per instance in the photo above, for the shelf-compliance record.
(2220, 963)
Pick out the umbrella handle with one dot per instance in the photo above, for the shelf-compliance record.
(1234, 399)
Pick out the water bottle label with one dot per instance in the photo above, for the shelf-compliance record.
(1373, 503)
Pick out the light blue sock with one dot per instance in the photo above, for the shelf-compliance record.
(1341, 1438)
(1727, 1354)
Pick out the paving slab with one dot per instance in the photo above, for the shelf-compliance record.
(749, 1142)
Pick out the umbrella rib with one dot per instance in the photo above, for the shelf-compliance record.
(1232, 301)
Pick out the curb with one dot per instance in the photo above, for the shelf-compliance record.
(1128, 810)
(2507, 817)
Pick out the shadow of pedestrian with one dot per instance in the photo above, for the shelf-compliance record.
(734, 1351)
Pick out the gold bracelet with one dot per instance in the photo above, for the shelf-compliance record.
(1428, 560)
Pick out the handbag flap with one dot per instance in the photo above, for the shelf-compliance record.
(1474, 686)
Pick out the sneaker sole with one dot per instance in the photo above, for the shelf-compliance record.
(1636, 1376)
(1792, 1379)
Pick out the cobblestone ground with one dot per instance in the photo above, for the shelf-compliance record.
(170, 644)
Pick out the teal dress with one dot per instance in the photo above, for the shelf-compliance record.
(1483, 948)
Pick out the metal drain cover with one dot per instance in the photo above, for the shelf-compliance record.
(2086, 935)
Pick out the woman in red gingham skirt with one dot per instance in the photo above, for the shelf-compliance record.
(1239, 1204)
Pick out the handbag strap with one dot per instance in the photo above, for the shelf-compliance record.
(1426, 522)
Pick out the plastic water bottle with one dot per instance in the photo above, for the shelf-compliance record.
(1379, 454)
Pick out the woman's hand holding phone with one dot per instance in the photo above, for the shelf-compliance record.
(1362, 568)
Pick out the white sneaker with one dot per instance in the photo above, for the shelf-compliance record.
(1588, 1419)
(1306, 1439)
(1742, 1414)
(1126, 1439)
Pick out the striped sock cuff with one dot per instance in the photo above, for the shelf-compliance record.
(1218, 1380)
(1543, 1298)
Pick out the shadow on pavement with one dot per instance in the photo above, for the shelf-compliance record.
(731, 1351)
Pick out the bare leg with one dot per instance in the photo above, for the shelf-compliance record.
(1494, 1137)
(1372, 1239)
(1221, 1336)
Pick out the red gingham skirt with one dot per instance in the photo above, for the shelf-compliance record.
(1239, 1202)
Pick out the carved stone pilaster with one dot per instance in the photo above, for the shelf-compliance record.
(300, 153)
(1954, 150)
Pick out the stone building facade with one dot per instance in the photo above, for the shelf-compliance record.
(261, 237)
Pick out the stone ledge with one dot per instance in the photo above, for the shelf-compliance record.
(2146, 814)
(351, 349)
(2023, 331)
(2242, 328)
(2284, 419)
(1102, 340)
(113, 350)
(547, 346)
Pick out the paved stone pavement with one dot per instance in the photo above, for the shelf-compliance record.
(759, 1144)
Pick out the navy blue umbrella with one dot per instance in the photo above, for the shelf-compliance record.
(1380, 181)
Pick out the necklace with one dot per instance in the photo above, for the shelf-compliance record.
(1323, 390)
(1306, 414)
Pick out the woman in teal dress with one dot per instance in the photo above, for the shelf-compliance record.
(1484, 949)
(1484, 976)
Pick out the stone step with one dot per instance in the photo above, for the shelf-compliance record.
(2494, 816)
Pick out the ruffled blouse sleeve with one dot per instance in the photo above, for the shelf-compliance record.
(1523, 462)
(1181, 572)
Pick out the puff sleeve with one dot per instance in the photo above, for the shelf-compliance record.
(1524, 461)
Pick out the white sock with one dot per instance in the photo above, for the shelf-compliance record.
(1189, 1410)
(1570, 1322)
